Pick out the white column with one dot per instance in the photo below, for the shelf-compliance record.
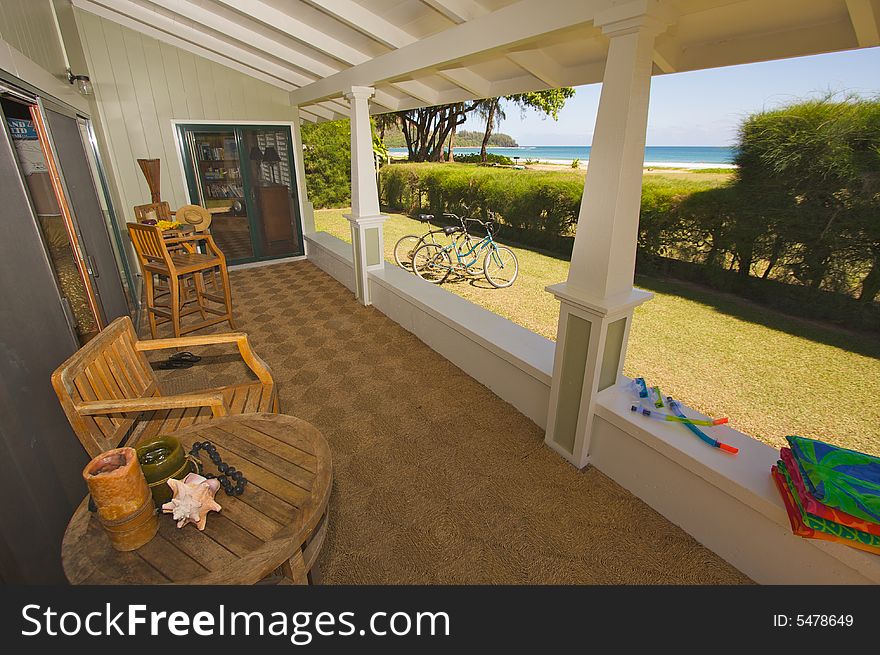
(598, 299)
(366, 221)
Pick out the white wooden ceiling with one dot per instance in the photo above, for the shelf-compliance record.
(425, 52)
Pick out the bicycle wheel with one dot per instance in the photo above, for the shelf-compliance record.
(432, 263)
(500, 267)
(404, 250)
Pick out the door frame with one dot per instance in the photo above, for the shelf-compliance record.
(296, 165)
(27, 93)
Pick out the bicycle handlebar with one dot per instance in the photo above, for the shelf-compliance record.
(489, 225)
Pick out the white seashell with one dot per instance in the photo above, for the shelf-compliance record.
(193, 499)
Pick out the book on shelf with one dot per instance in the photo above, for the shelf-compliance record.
(224, 190)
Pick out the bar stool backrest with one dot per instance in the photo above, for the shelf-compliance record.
(156, 211)
(148, 243)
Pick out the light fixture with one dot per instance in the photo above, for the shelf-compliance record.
(82, 82)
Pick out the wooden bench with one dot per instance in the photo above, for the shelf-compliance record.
(111, 395)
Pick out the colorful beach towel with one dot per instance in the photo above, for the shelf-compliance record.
(816, 508)
(812, 528)
(843, 479)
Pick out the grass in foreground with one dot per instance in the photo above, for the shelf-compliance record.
(773, 375)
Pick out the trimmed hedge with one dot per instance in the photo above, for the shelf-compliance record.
(536, 207)
(491, 158)
(536, 204)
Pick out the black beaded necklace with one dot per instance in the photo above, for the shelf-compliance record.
(226, 471)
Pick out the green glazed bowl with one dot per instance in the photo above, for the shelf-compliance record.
(162, 458)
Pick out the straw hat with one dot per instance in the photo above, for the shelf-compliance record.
(198, 217)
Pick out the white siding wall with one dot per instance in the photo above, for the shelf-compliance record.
(29, 27)
(141, 84)
(31, 50)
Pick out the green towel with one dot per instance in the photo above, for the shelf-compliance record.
(844, 479)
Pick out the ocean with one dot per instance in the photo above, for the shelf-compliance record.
(680, 156)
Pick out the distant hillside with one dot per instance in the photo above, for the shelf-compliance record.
(464, 139)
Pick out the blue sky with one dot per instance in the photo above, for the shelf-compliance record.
(705, 107)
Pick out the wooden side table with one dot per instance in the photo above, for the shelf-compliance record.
(278, 524)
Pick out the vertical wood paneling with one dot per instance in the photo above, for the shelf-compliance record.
(126, 119)
(191, 85)
(162, 106)
(207, 88)
(29, 27)
(110, 113)
(142, 84)
(222, 83)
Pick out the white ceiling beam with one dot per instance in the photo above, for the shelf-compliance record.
(299, 30)
(392, 36)
(461, 11)
(865, 17)
(321, 112)
(468, 80)
(828, 36)
(386, 100)
(419, 90)
(336, 114)
(517, 23)
(365, 21)
(338, 106)
(666, 53)
(180, 38)
(307, 115)
(541, 65)
(458, 11)
(519, 84)
(234, 29)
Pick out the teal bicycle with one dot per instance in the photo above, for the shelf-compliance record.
(406, 247)
(434, 262)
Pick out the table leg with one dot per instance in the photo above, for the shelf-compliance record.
(315, 574)
(294, 569)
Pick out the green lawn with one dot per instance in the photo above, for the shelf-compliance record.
(773, 375)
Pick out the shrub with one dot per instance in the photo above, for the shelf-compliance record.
(474, 158)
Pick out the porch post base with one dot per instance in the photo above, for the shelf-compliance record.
(590, 352)
(368, 246)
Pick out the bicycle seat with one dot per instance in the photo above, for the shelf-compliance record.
(425, 218)
(451, 229)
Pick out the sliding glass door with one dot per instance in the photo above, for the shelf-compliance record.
(245, 176)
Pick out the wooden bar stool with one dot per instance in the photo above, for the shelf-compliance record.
(178, 267)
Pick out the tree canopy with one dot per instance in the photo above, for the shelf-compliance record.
(327, 161)
(426, 130)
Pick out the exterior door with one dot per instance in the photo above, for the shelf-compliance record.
(40, 458)
(272, 190)
(101, 260)
(245, 175)
(216, 182)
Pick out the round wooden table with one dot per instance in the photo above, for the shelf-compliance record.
(278, 523)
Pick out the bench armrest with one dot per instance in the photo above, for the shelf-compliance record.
(213, 399)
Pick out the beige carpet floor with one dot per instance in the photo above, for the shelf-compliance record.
(436, 479)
